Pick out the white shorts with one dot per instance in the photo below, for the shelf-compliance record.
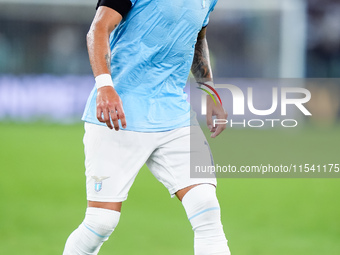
(113, 160)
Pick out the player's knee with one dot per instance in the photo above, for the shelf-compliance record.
(93, 232)
(202, 207)
(101, 222)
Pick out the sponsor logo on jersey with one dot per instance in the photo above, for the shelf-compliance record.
(98, 184)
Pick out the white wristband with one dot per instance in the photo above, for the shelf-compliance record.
(103, 80)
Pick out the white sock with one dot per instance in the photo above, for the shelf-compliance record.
(93, 232)
(203, 211)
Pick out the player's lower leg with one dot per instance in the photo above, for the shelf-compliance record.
(203, 211)
(96, 228)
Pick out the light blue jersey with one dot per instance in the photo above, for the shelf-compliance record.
(151, 54)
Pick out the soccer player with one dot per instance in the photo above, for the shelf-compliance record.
(141, 52)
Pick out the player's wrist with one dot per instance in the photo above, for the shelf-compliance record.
(207, 85)
(104, 80)
(210, 83)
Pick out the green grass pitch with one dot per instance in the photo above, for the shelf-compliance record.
(43, 197)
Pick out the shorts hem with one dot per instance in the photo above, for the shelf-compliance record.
(107, 199)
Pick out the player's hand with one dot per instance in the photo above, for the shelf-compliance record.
(218, 111)
(110, 108)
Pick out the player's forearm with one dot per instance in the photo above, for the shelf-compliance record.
(201, 68)
(105, 21)
(99, 51)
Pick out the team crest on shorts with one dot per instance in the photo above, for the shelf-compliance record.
(98, 184)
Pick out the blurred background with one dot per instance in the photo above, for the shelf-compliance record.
(45, 79)
(43, 50)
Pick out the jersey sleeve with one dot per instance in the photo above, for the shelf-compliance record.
(121, 6)
(206, 20)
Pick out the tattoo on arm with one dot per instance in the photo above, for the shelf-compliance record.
(108, 55)
(107, 58)
(201, 68)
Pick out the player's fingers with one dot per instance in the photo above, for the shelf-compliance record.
(114, 119)
(106, 119)
(213, 129)
(209, 120)
(106, 115)
(121, 116)
(99, 114)
(220, 127)
(109, 124)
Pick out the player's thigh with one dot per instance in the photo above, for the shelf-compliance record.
(112, 161)
(115, 206)
(171, 163)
